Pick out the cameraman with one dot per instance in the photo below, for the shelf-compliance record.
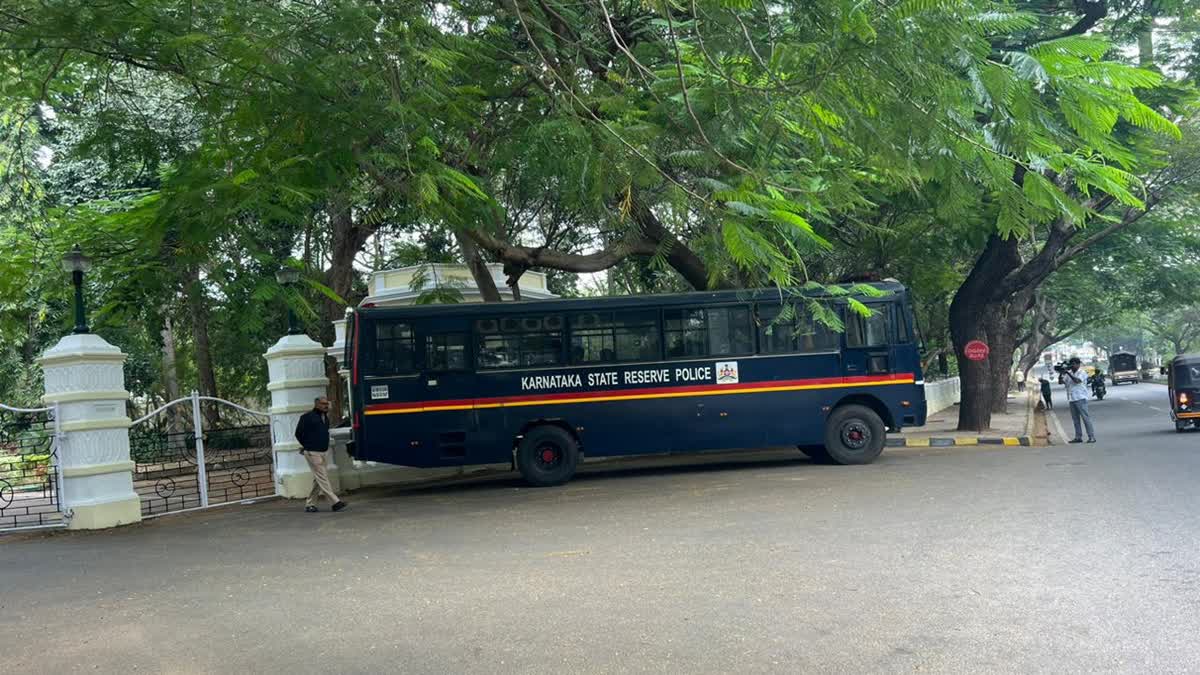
(1077, 396)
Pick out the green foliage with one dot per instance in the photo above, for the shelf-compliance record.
(197, 144)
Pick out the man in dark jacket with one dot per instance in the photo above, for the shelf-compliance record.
(312, 432)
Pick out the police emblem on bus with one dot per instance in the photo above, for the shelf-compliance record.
(727, 372)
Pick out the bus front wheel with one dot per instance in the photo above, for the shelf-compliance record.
(547, 455)
(854, 434)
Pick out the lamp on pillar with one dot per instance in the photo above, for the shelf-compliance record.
(77, 263)
(288, 277)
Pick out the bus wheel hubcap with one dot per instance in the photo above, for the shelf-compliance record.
(855, 435)
(548, 455)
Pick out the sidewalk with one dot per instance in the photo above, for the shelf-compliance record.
(1012, 428)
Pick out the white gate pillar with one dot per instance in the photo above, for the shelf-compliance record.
(85, 376)
(296, 367)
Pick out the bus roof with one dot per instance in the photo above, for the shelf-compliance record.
(612, 302)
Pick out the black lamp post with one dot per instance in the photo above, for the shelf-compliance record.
(77, 263)
(288, 277)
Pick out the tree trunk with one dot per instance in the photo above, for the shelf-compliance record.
(1146, 45)
(197, 301)
(971, 310)
(348, 239)
(29, 346)
(170, 370)
(967, 324)
(479, 269)
(169, 362)
(1002, 340)
(1029, 360)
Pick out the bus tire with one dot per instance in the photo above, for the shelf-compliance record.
(854, 434)
(815, 452)
(548, 455)
(1180, 427)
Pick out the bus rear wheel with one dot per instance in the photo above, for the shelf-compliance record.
(547, 456)
(854, 434)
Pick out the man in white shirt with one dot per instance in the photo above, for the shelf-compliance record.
(1077, 397)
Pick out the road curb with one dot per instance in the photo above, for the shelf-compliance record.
(958, 441)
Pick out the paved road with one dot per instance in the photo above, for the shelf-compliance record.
(1060, 559)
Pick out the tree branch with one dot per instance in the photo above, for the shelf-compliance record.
(528, 256)
(1093, 12)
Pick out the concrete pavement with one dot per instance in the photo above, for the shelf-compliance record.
(1076, 558)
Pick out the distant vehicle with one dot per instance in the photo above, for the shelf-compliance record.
(1122, 367)
(540, 383)
(1183, 386)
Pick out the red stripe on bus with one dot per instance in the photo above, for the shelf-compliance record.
(695, 388)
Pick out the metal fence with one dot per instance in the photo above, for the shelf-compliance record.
(200, 451)
(30, 473)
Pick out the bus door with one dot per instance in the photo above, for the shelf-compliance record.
(447, 387)
(389, 362)
(867, 348)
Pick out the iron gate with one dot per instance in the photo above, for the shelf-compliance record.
(200, 451)
(30, 475)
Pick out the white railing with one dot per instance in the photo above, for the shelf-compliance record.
(942, 394)
(198, 437)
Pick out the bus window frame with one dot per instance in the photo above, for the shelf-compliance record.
(570, 336)
(373, 355)
(836, 348)
(563, 349)
(849, 315)
(468, 352)
(662, 324)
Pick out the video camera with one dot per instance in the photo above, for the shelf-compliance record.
(1061, 367)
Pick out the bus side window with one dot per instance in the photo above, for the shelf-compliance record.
(613, 337)
(867, 331)
(446, 351)
(720, 331)
(729, 332)
(903, 331)
(686, 332)
(516, 342)
(395, 349)
(797, 332)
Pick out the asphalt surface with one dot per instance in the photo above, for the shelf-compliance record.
(1081, 558)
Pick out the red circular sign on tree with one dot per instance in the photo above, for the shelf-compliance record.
(976, 350)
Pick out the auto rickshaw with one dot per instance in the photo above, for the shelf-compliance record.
(1183, 385)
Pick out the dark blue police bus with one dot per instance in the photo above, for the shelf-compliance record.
(541, 383)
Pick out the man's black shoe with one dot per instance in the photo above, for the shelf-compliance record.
(1077, 440)
(339, 506)
(310, 509)
(1091, 440)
